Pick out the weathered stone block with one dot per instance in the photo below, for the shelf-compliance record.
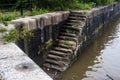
(28, 23)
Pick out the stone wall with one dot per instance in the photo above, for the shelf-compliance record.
(45, 29)
(97, 19)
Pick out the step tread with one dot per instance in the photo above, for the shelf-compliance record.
(56, 67)
(62, 49)
(56, 52)
(51, 61)
(67, 47)
(67, 38)
(72, 28)
(55, 57)
(76, 16)
(73, 20)
(63, 44)
(64, 41)
(68, 34)
(79, 25)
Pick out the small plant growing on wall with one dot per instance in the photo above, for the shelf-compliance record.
(2, 30)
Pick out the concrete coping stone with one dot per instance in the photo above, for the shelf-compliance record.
(39, 21)
(16, 65)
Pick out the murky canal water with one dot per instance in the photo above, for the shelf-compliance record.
(101, 61)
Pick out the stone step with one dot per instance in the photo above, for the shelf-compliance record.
(54, 57)
(76, 19)
(59, 58)
(58, 52)
(70, 24)
(69, 31)
(68, 34)
(56, 67)
(66, 51)
(54, 62)
(67, 38)
(73, 21)
(72, 28)
(81, 24)
(66, 44)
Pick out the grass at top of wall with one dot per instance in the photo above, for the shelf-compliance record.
(84, 6)
(5, 17)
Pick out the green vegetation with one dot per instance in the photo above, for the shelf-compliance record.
(5, 17)
(14, 34)
(2, 30)
(68, 31)
(34, 12)
(43, 6)
(56, 4)
(48, 43)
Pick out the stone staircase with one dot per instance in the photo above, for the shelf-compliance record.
(63, 51)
